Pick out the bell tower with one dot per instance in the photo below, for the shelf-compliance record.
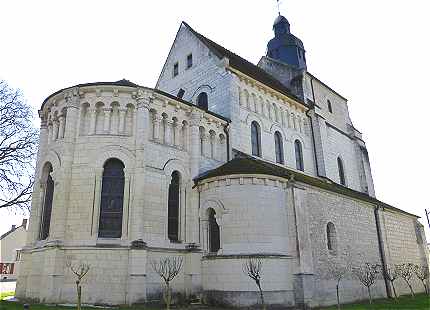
(285, 47)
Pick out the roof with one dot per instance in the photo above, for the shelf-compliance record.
(325, 85)
(245, 164)
(127, 83)
(244, 66)
(10, 231)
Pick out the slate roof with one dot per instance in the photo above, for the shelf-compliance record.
(245, 66)
(9, 232)
(245, 164)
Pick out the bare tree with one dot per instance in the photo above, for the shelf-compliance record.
(422, 273)
(167, 268)
(18, 144)
(391, 273)
(406, 272)
(337, 269)
(367, 274)
(80, 270)
(253, 268)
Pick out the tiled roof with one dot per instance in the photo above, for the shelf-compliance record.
(245, 66)
(245, 164)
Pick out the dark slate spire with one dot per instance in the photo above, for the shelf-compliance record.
(285, 47)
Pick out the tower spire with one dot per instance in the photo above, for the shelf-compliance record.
(278, 5)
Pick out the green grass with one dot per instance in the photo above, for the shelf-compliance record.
(420, 302)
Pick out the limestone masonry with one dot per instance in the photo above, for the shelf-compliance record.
(222, 161)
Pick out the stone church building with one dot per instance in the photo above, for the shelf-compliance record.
(222, 161)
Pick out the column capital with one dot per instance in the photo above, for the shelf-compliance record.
(195, 117)
(72, 97)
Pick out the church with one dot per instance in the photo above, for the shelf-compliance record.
(222, 161)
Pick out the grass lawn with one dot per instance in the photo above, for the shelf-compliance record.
(420, 302)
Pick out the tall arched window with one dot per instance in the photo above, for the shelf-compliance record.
(331, 237)
(47, 202)
(279, 148)
(329, 107)
(112, 198)
(341, 171)
(214, 237)
(255, 139)
(173, 207)
(202, 101)
(299, 155)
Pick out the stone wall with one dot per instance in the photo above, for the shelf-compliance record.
(207, 73)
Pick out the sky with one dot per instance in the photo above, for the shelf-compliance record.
(375, 53)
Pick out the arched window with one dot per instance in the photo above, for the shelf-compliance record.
(299, 155)
(255, 139)
(341, 171)
(279, 149)
(173, 207)
(330, 109)
(331, 237)
(47, 202)
(112, 198)
(202, 101)
(214, 238)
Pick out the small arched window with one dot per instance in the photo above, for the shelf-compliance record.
(202, 101)
(341, 171)
(173, 207)
(255, 139)
(112, 199)
(329, 107)
(331, 237)
(214, 235)
(279, 148)
(47, 202)
(299, 155)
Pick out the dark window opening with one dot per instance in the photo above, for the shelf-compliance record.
(331, 237)
(255, 139)
(181, 93)
(112, 198)
(202, 101)
(330, 109)
(341, 171)
(189, 61)
(214, 236)
(279, 152)
(47, 206)
(173, 207)
(299, 155)
(175, 69)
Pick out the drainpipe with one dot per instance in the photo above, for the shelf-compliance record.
(312, 128)
(381, 250)
(227, 137)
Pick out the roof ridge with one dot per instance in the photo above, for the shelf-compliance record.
(245, 66)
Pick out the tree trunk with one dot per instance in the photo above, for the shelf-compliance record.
(261, 297)
(78, 289)
(394, 290)
(168, 296)
(425, 287)
(410, 287)
(370, 295)
(337, 295)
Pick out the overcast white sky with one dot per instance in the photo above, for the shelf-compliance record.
(375, 53)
